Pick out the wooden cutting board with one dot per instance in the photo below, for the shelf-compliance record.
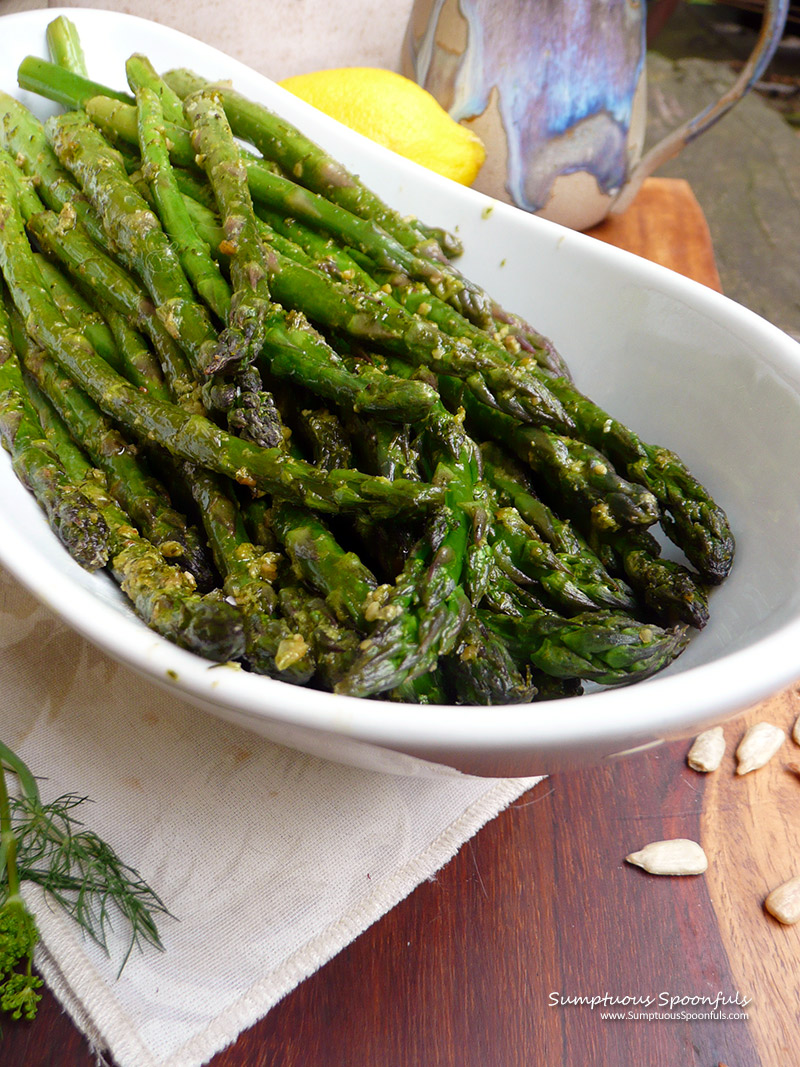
(665, 224)
(472, 969)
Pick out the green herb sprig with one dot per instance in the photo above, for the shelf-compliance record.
(18, 934)
(44, 844)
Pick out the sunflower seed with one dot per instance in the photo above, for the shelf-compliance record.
(784, 902)
(707, 750)
(758, 746)
(676, 856)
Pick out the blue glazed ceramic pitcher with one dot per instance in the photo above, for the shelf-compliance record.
(556, 89)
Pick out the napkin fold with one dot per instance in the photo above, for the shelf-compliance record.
(269, 860)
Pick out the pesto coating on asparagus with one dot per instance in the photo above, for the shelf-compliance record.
(234, 356)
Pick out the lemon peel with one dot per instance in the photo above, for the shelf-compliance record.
(395, 112)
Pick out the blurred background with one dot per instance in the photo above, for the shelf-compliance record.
(745, 171)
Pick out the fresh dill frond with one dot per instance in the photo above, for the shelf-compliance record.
(47, 845)
(82, 873)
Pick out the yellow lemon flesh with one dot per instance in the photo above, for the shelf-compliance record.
(395, 112)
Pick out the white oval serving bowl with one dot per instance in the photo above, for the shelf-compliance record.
(684, 366)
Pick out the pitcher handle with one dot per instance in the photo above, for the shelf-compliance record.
(768, 39)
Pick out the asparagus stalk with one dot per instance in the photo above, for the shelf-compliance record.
(513, 486)
(349, 265)
(570, 580)
(487, 369)
(321, 250)
(426, 689)
(138, 232)
(550, 688)
(421, 618)
(506, 597)
(272, 646)
(294, 350)
(129, 222)
(74, 518)
(266, 185)
(451, 458)
(384, 249)
(564, 578)
(384, 448)
(139, 494)
(604, 647)
(94, 270)
(481, 670)
(334, 645)
(388, 451)
(183, 434)
(192, 250)
(64, 45)
(267, 641)
(112, 111)
(194, 186)
(491, 360)
(142, 74)
(39, 76)
(371, 316)
(278, 140)
(381, 253)
(78, 312)
(262, 646)
(351, 271)
(324, 628)
(392, 240)
(163, 595)
(23, 136)
(349, 588)
(251, 306)
(272, 633)
(692, 519)
(109, 283)
(668, 590)
(63, 86)
(197, 439)
(355, 289)
(509, 481)
(581, 477)
(334, 305)
(325, 437)
(139, 364)
(438, 611)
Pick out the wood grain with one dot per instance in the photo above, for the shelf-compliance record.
(541, 904)
(754, 826)
(665, 224)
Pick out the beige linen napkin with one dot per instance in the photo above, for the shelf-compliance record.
(270, 860)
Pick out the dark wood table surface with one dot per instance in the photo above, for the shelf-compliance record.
(475, 968)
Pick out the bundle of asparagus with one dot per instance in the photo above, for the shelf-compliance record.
(223, 368)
